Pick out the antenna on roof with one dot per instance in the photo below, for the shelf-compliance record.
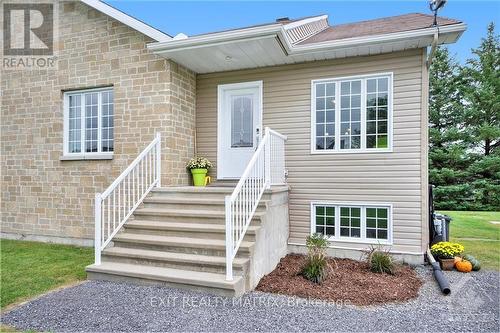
(436, 5)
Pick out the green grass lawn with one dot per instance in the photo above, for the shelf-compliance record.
(466, 227)
(32, 268)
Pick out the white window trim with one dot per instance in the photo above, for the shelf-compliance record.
(67, 156)
(363, 206)
(337, 149)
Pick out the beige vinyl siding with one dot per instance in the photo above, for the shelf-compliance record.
(391, 177)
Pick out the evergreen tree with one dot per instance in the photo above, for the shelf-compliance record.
(448, 159)
(482, 120)
(483, 93)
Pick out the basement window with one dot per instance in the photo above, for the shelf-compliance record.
(352, 114)
(325, 220)
(89, 124)
(350, 222)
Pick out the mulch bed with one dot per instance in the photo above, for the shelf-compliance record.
(349, 281)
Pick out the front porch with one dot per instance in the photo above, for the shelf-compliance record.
(177, 238)
(222, 238)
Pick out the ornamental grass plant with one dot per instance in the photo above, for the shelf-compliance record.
(316, 267)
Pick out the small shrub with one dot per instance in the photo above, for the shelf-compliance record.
(446, 250)
(316, 267)
(380, 260)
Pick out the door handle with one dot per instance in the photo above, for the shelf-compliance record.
(257, 137)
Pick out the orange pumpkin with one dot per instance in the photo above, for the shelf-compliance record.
(464, 266)
(457, 259)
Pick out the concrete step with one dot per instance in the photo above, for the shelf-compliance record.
(223, 183)
(180, 229)
(192, 192)
(184, 215)
(177, 238)
(189, 203)
(217, 192)
(178, 278)
(212, 247)
(187, 261)
(193, 189)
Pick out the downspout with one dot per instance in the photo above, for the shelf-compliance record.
(442, 281)
(433, 47)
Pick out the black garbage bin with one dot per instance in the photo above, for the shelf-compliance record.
(441, 224)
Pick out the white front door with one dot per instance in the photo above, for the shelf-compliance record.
(239, 127)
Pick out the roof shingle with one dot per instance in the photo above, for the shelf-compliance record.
(380, 26)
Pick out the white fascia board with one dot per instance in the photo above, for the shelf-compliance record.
(304, 21)
(216, 38)
(128, 20)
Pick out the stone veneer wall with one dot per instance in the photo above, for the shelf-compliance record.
(43, 197)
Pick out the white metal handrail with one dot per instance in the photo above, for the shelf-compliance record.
(266, 168)
(117, 203)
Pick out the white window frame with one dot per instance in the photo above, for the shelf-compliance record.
(363, 206)
(82, 155)
(363, 148)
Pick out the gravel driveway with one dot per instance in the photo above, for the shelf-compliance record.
(106, 307)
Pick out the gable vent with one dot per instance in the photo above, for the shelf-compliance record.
(300, 30)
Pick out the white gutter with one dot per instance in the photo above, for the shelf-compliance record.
(226, 36)
(277, 30)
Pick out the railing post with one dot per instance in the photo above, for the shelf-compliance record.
(97, 238)
(267, 158)
(229, 240)
(158, 159)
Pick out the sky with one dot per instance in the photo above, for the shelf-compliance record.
(195, 17)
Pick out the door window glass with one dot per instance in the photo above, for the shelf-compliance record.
(241, 121)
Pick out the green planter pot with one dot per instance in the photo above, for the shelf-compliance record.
(199, 176)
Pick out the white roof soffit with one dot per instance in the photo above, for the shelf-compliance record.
(128, 20)
(257, 46)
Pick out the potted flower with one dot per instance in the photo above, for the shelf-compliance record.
(199, 167)
(446, 253)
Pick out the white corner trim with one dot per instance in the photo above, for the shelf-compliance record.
(128, 20)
